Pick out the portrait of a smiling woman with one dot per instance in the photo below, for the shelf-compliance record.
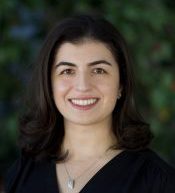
(81, 131)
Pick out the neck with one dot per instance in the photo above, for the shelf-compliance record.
(87, 141)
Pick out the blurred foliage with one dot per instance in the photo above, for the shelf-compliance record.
(149, 29)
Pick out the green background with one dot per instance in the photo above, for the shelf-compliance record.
(149, 28)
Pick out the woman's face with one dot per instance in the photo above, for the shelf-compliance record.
(85, 82)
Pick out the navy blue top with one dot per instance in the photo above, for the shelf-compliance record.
(128, 172)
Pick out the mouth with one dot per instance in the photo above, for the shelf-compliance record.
(84, 104)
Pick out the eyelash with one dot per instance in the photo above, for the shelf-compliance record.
(66, 70)
(104, 72)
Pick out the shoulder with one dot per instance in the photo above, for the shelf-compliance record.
(24, 170)
(157, 173)
(14, 171)
(154, 161)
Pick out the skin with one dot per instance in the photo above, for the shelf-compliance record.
(86, 129)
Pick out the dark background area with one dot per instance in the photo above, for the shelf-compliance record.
(148, 27)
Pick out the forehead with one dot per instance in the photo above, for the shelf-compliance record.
(85, 51)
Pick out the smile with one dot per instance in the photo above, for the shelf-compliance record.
(84, 104)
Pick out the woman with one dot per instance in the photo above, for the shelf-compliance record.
(82, 132)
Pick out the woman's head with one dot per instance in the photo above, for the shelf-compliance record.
(85, 73)
(46, 122)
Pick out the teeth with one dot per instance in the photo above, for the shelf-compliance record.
(83, 102)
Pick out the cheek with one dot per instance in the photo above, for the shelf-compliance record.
(108, 86)
(109, 91)
(61, 87)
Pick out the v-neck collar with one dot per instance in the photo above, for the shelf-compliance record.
(109, 166)
(95, 180)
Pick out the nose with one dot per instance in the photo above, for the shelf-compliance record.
(83, 82)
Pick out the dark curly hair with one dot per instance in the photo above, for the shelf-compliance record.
(41, 126)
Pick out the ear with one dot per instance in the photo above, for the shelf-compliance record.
(119, 92)
(120, 89)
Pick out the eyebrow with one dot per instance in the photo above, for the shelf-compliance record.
(64, 63)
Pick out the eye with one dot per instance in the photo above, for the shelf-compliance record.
(67, 71)
(99, 71)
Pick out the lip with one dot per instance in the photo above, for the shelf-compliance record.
(83, 98)
(87, 107)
